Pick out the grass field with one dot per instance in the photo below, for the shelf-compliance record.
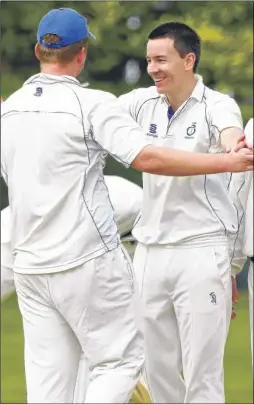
(238, 379)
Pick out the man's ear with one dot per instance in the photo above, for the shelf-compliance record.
(36, 51)
(82, 55)
(190, 61)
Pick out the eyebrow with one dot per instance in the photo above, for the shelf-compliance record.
(157, 56)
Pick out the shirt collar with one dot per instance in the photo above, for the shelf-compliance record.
(197, 93)
(49, 78)
(199, 89)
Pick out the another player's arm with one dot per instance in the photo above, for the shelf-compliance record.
(166, 161)
(232, 139)
(226, 125)
(116, 132)
(235, 138)
(225, 118)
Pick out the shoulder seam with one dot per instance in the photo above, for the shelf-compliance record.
(149, 99)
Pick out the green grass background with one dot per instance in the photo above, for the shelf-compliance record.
(238, 376)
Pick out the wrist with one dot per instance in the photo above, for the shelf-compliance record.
(225, 161)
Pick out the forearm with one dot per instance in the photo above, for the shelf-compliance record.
(161, 161)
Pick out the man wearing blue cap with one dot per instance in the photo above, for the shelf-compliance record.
(74, 284)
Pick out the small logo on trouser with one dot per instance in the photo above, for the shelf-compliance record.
(213, 297)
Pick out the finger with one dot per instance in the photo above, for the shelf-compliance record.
(249, 165)
(237, 296)
(240, 145)
(234, 294)
(249, 161)
(246, 151)
(234, 291)
(233, 315)
(235, 299)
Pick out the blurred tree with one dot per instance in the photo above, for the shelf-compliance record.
(121, 29)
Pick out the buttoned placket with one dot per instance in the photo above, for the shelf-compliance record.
(177, 112)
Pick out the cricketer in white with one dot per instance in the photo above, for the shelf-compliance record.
(74, 284)
(126, 198)
(182, 260)
(241, 191)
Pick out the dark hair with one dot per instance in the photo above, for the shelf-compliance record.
(186, 40)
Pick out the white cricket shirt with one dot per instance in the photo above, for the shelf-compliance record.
(178, 209)
(241, 191)
(6, 258)
(54, 136)
(126, 198)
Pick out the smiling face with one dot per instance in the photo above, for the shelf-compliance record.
(166, 66)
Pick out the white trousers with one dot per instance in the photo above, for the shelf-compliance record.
(187, 298)
(84, 375)
(90, 311)
(250, 286)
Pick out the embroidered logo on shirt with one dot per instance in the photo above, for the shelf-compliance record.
(191, 130)
(152, 130)
(38, 92)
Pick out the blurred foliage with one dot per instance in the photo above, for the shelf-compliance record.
(226, 29)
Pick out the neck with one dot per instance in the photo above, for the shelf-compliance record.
(58, 70)
(177, 97)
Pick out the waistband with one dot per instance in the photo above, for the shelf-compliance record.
(206, 240)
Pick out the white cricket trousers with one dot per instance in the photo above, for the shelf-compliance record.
(187, 294)
(250, 286)
(83, 372)
(90, 309)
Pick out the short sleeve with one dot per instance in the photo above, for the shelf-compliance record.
(115, 131)
(224, 114)
(129, 103)
(133, 101)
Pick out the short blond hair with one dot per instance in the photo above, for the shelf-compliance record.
(59, 55)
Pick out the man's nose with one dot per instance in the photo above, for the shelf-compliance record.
(152, 68)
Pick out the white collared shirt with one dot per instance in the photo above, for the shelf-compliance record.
(55, 136)
(241, 191)
(126, 198)
(176, 209)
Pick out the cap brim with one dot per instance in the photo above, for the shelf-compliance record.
(91, 35)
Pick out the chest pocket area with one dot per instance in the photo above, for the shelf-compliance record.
(192, 135)
(153, 120)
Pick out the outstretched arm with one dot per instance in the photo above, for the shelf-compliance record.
(165, 161)
(116, 132)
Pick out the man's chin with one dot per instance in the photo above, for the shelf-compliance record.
(160, 89)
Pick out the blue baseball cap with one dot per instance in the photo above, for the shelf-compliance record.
(66, 23)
